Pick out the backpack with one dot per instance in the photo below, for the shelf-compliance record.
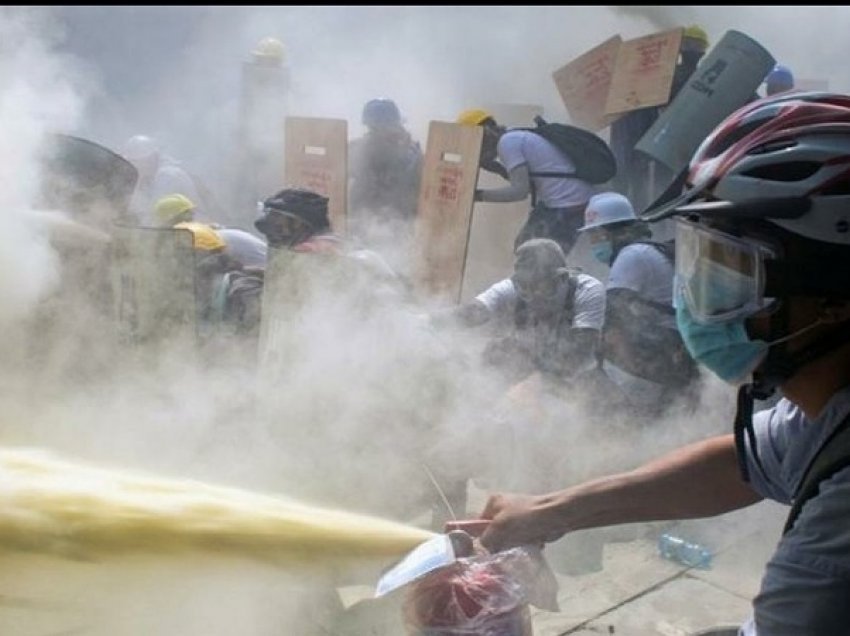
(593, 159)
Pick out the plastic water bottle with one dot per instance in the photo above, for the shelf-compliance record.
(691, 554)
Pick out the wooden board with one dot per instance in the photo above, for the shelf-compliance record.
(441, 230)
(316, 158)
(584, 84)
(643, 74)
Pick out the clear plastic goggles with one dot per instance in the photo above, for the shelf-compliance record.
(719, 276)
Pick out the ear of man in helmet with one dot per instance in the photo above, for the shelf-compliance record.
(292, 216)
(541, 275)
(763, 240)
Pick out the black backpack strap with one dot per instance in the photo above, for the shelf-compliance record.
(833, 455)
(560, 175)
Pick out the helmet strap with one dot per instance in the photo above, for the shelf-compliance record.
(778, 366)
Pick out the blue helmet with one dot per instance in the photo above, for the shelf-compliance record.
(779, 79)
(381, 112)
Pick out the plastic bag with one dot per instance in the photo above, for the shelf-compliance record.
(486, 595)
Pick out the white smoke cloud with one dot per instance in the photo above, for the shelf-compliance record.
(36, 96)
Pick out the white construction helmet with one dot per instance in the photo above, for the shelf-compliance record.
(269, 49)
(140, 147)
(607, 208)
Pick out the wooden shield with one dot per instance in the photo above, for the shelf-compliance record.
(441, 230)
(584, 84)
(643, 74)
(316, 158)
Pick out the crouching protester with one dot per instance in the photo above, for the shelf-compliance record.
(642, 350)
(547, 317)
(762, 301)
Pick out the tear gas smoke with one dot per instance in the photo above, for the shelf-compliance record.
(371, 392)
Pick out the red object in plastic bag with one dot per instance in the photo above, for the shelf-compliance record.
(480, 596)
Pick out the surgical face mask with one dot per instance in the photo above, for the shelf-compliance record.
(603, 251)
(724, 348)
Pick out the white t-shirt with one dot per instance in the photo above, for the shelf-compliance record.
(518, 147)
(588, 303)
(588, 312)
(644, 270)
(244, 247)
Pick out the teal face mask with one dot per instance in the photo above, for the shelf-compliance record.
(602, 251)
(724, 348)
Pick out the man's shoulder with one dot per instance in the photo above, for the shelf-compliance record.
(586, 281)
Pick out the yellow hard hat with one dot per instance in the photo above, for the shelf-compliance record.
(473, 117)
(269, 48)
(696, 32)
(204, 238)
(171, 206)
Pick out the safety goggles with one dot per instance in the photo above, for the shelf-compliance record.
(721, 277)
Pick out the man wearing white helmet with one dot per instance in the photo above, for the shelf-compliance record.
(643, 353)
(762, 301)
(159, 175)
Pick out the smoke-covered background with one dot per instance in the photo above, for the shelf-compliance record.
(174, 71)
(106, 73)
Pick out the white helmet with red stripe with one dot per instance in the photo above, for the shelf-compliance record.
(785, 159)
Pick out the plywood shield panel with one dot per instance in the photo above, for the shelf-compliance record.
(643, 74)
(317, 159)
(441, 231)
(584, 84)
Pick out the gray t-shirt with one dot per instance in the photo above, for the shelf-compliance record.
(805, 590)
(517, 147)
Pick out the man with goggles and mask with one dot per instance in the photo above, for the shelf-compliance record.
(553, 316)
(763, 300)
